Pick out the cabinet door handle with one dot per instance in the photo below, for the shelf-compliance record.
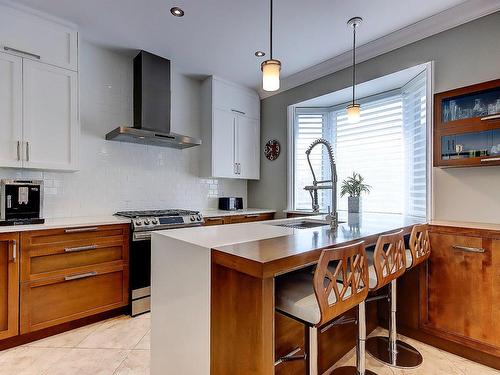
(489, 160)
(18, 150)
(38, 57)
(79, 230)
(237, 111)
(14, 251)
(79, 248)
(492, 117)
(469, 249)
(80, 276)
(27, 151)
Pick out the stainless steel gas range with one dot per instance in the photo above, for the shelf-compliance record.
(143, 224)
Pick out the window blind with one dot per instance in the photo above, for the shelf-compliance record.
(415, 136)
(374, 148)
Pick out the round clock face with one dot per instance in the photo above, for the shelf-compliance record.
(272, 149)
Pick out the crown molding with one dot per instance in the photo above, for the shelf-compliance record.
(445, 20)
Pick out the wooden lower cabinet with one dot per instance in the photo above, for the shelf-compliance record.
(235, 219)
(48, 302)
(462, 292)
(9, 285)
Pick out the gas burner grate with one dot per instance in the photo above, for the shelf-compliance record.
(146, 213)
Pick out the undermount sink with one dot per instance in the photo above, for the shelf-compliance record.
(304, 224)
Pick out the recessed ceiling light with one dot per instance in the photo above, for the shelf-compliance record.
(260, 54)
(177, 12)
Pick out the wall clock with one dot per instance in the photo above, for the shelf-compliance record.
(272, 149)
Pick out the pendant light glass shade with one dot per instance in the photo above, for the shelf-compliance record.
(271, 75)
(353, 113)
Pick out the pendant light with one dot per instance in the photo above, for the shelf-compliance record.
(354, 109)
(271, 68)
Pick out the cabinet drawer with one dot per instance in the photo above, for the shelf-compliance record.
(235, 99)
(38, 38)
(78, 236)
(215, 221)
(251, 217)
(60, 258)
(49, 302)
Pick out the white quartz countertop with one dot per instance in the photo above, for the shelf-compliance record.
(246, 211)
(66, 223)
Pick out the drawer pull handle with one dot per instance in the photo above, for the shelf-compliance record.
(80, 230)
(80, 276)
(80, 248)
(251, 216)
(237, 111)
(469, 249)
(213, 218)
(492, 117)
(38, 57)
(489, 159)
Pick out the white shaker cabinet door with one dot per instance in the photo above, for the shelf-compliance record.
(11, 107)
(223, 139)
(248, 141)
(50, 117)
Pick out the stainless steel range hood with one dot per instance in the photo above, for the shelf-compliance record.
(152, 107)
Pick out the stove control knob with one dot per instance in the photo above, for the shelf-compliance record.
(154, 221)
(193, 218)
(138, 223)
(198, 217)
(146, 222)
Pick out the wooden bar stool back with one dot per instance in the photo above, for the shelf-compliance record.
(420, 246)
(318, 299)
(389, 263)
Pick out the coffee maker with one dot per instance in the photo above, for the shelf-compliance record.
(21, 202)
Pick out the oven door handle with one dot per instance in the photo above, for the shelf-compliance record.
(141, 236)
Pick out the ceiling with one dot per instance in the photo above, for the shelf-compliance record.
(220, 36)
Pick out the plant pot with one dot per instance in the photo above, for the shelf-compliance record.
(353, 204)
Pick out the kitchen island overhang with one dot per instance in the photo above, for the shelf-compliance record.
(213, 288)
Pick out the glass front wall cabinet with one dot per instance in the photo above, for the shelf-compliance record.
(467, 126)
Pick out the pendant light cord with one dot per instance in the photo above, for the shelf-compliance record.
(353, 64)
(271, 30)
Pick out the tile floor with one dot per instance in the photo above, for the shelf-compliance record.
(120, 346)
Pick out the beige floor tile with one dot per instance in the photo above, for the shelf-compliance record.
(29, 361)
(136, 363)
(68, 339)
(88, 362)
(466, 367)
(145, 342)
(121, 333)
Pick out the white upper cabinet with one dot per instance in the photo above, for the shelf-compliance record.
(39, 122)
(50, 117)
(33, 37)
(230, 131)
(11, 110)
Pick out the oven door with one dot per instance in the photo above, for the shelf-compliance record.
(140, 275)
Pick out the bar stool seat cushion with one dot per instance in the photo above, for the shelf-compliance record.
(295, 296)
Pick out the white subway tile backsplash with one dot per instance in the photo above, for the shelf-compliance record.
(117, 176)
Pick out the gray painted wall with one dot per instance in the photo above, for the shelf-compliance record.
(462, 56)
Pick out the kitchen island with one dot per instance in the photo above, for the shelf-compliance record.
(213, 288)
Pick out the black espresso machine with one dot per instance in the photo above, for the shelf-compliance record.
(21, 202)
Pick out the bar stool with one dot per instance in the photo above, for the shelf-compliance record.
(419, 247)
(316, 300)
(389, 263)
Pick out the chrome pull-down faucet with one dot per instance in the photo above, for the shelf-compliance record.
(332, 216)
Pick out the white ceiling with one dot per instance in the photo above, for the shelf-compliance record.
(220, 36)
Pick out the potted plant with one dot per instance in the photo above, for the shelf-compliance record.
(353, 186)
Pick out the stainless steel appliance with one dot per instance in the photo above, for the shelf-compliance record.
(152, 106)
(143, 224)
(21, 202)
(230, 203)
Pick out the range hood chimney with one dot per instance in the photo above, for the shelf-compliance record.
(152, 106)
